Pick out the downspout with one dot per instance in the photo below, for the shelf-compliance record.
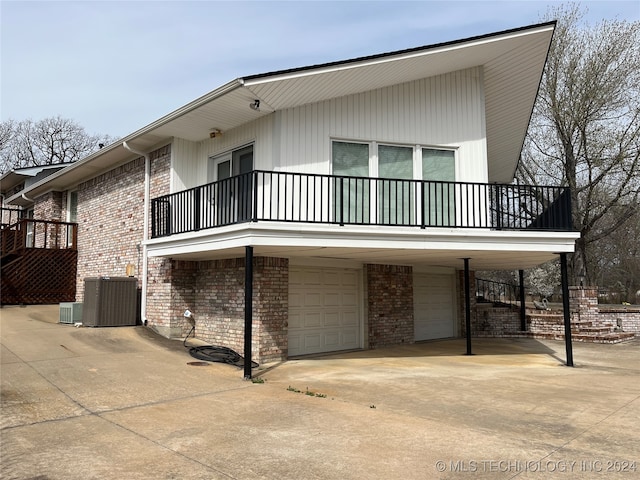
(145, 229)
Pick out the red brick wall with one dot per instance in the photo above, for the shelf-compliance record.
(389, 304)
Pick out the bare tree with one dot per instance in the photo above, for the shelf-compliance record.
(585, 128)
(45, 142)
(616, 260)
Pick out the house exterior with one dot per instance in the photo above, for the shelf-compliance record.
(326, 208)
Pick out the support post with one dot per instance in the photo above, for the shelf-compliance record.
(248, 309)
(523, 310)
(467, 304)
(565, 307)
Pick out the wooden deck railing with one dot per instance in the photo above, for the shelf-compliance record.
(45, 234)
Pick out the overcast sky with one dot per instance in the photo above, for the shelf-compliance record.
(116, 66)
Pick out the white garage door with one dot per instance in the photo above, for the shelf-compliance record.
(324, 312)
(433, 306)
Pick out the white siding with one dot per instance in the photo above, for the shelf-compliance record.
(259, 132)
(190, 160)
(186, 170)
(446, 110)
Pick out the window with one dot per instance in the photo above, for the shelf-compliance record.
(351, 203)
(396, 192)
(438, 166)
(72, 214)
(395, 196)
(72, 206)
(30, 238)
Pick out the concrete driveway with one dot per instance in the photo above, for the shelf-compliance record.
(123, 403)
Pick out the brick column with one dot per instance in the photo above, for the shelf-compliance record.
(583, 302)
(461, 300)
(390, 305)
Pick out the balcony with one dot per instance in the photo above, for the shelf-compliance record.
(262, 196)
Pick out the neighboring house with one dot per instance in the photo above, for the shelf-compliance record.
(352, 191)
(17, 181)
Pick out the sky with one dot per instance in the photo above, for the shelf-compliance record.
(116, 66)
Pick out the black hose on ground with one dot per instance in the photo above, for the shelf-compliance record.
(211, 353)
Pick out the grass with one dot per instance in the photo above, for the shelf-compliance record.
(307, 392)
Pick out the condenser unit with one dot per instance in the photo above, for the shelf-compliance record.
(110, 301)
(71, 312)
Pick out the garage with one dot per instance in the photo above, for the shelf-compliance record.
(433, 306)
(324, 310)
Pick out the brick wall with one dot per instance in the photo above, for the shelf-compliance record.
(111, 216)
(585, 308)
(219, 305)
(489, 321)
(625, 318)
(461, 303)
(389, 304)
(170, 291)
(49, 207)
(159, 295)
(271, 307)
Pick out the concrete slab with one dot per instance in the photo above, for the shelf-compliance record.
(113, 403)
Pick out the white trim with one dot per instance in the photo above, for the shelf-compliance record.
(353, 237)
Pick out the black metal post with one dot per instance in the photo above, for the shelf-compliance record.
(523, 309)
(467, 304)
(196, 209)
(565, 307)
(248, 309)
(341, 201)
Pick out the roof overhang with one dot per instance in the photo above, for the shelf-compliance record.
(512, 61)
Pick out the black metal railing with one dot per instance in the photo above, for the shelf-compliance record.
(492, 291)
(331, 199)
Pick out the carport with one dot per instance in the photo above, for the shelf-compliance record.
(248, 312)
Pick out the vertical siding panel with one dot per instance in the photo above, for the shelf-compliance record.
(186, 169)
(446, 110)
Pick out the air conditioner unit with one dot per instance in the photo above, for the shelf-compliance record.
(71, 312)
(110, 301)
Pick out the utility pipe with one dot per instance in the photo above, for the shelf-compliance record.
(145, 230)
